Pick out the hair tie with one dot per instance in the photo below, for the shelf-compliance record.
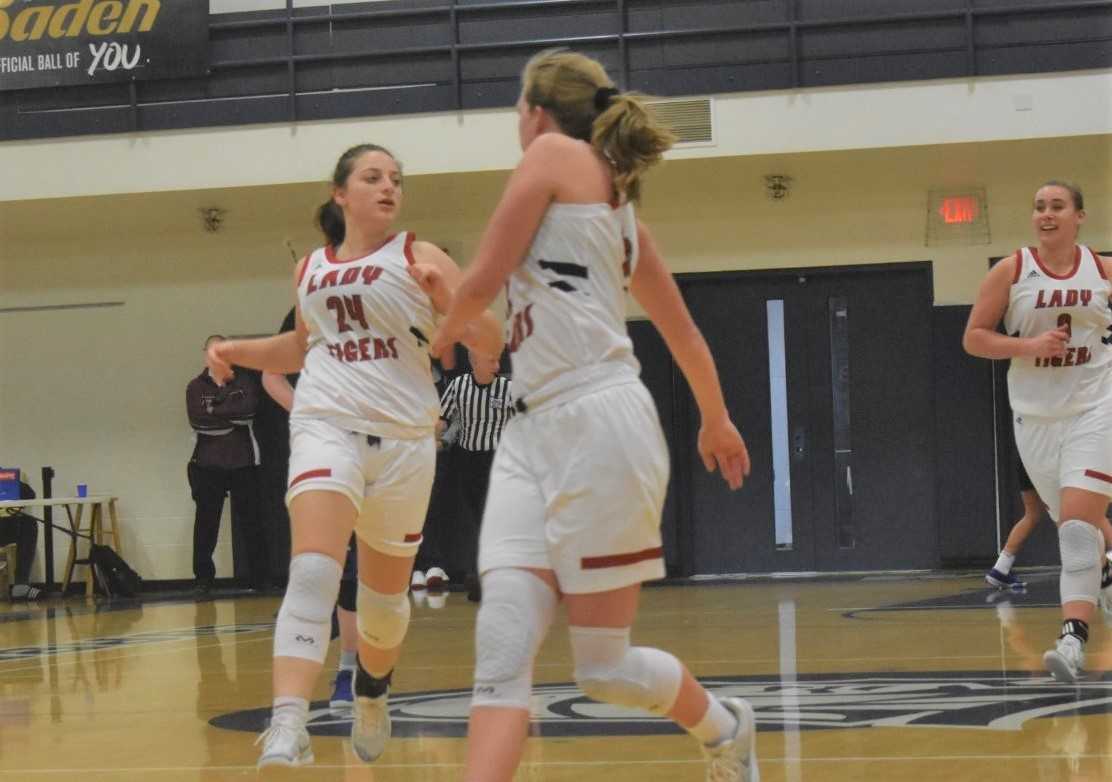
(603, 96)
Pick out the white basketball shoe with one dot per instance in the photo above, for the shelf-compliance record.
(1066, 660)
(735, 760)
(285, 744)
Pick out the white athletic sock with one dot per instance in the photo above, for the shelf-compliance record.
(1004, 562)
(348, 660)
(290, 710)
(717, 725)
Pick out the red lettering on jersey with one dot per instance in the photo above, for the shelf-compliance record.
(329, 279)
(350, 276)
(528, 313)
(1084, 355)
(371, 273)
(522, 328)
(312, 283)
(1068, 359)
(354, 307)
(1070, 298)
(360, 350)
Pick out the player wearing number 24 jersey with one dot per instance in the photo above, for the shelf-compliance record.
(367, 368)
(362, 452)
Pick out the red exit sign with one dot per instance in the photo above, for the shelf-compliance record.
(959, 209)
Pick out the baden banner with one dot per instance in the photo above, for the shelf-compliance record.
(52, 43)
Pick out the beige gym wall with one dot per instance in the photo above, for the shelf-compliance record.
(99, 393)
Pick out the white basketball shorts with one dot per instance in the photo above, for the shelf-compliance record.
(578, 488)
(1071, 452)
(388, 481)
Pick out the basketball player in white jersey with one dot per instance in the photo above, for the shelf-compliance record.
(362, 449)
(1054, 301)
(579, 478)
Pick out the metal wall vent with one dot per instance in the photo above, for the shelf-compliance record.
(691, 120)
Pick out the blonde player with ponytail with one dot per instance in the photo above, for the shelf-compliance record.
(579, 479)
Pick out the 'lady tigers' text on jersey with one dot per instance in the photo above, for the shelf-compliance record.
(1042, 301)
(367, 368)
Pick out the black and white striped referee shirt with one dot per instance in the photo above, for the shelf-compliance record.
(482, 410)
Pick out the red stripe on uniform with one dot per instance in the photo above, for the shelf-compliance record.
(413, 538)
(324, 472)
(331, 257)
(1100, 266)
(619, 560)
(1018, 266)
(409, 238)
(1052, 275)
(1100, 476)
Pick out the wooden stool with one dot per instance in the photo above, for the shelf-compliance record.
(96, 531)
(7, 570)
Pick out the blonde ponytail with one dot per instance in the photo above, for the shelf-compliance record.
(580, 96)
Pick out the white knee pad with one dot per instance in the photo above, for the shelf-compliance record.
(1082, 549)
(514, 617)
(305, 619)
(608, 670)
(382, 619)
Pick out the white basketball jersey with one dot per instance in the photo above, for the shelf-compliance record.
(367, 368)
(566, 326)
(1039, 302)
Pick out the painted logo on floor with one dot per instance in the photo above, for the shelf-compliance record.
(983, 700)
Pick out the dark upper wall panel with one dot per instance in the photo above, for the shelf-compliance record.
(824, 10)
(660, 15)
(406, 56)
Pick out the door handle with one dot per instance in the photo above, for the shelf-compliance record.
(799, 443)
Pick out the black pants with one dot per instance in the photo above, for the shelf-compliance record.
(274, 519)
(473, 475)
(438, 544)
(248, 548)
(23, 531)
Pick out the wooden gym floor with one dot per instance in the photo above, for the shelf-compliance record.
(867, 679)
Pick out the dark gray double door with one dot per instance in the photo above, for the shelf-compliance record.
(843, 422)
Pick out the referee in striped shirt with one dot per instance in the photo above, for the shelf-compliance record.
(480, 402)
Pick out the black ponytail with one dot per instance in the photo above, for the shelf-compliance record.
(330, 220)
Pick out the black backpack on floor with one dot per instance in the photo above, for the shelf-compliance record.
(114, 574)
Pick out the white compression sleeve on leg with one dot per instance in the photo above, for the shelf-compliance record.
(514, 617)
(304, 621)
(1082, 548)
(383, 620)
(609, 670)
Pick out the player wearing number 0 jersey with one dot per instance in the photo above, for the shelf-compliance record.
(1054, 301)
(1041, 300)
